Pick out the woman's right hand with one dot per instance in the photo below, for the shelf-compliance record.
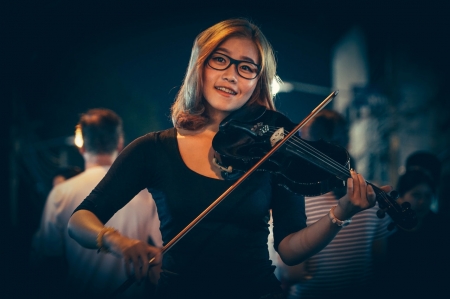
(135, 253)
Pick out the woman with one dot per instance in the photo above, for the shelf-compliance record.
(225, 255)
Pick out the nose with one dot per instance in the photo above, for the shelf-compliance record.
(230, 74)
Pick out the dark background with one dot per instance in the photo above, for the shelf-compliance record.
(60, 58)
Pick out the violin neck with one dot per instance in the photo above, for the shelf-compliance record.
(378, 191)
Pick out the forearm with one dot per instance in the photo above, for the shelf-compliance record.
(303, 244)
(293, 274)
(84, 228)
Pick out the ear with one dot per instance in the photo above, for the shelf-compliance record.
(120, 144)
(81, 150)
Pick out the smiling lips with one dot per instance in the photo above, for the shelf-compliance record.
(227, 90)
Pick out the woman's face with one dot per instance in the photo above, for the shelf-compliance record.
(420, 198)
(225, 90)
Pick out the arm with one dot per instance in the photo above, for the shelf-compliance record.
(84, 227)
(290, 275)
(126, 177)
(301, 245)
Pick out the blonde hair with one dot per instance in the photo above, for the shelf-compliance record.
(188, 110)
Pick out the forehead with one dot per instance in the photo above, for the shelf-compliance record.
(240, 48)
(422, 187)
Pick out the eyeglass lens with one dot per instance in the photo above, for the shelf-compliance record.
(245, 69)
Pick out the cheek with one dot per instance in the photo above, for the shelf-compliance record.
(207, 81)
(206, 77)
(249, 89)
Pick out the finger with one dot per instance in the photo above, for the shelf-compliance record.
(155, 255)
(362, 188)
(387, 188)
(137, 265)
(145, 264)
(356, 185)
(371, 195)
(350, 184)
(152, 261)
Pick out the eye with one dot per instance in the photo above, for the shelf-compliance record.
(248, 68)
(218, 59)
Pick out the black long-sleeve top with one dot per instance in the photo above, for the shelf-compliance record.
(226, 253)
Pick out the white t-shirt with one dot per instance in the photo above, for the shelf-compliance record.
(90, 271)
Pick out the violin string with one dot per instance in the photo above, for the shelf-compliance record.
(314, 153)
(313, 150)
(300, 143)
(303, 145)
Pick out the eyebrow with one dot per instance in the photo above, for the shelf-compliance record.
(242, 57)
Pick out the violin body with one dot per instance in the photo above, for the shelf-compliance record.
(245, 137)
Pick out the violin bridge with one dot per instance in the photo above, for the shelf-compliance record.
(277, 136)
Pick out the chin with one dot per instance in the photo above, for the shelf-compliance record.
(225, 108)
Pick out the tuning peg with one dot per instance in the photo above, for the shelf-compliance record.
(381, 213)
(394, 194)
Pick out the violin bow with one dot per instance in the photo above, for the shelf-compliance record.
(227, 192)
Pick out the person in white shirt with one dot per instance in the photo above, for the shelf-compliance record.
(65, 267)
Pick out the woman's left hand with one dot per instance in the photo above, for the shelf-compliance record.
(360, 196)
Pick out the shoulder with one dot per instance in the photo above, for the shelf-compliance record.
(146, 153)
(153, 138)
(76, 186)
(152, 142)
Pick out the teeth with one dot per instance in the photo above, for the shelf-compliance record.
(226, 90)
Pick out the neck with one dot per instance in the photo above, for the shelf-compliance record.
(215, 117)
(93, 160)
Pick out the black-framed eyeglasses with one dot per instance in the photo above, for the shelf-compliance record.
(245, 69)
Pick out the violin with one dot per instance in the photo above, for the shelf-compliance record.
(308, 168)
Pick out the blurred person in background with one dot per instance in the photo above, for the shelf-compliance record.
(64, 173)
(429, 163)
(65, 269)
(418, 258)
(347, 266)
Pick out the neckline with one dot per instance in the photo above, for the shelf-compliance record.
(180, 159)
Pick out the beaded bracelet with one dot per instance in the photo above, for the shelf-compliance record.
(101, 247)
(336, 221)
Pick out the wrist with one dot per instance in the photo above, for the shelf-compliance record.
(343, 210)
(104, 239)
(334, 219)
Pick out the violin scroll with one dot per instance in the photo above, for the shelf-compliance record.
(402, 215)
